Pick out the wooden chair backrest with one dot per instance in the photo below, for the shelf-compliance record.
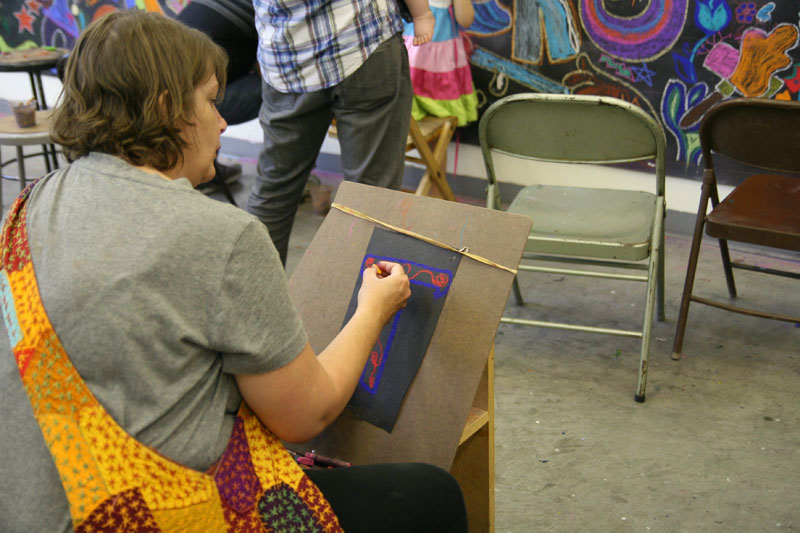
(753, 131)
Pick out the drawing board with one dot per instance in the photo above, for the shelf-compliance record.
(434, 409)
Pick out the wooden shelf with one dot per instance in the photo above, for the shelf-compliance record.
(476, 419)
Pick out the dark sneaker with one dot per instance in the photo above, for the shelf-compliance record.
(227, 173)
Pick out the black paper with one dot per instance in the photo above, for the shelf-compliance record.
(402, 344)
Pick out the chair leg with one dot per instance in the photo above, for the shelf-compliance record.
(517, 292)
(434, 173)
(723, 246)
(688, 285)
(21, 168)
(54, 155)
(440, 154)
(652, 288)
(726, 266)
(46, 155)
(660, 288)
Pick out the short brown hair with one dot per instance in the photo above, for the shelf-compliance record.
(120, 65)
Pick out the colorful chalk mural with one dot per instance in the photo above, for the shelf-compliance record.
(29, 23)
(673, 58)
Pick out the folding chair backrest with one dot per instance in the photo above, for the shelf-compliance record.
(571, 129)
(753, 131)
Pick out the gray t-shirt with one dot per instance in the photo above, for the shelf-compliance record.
(158, 295)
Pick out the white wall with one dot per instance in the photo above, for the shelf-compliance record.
(682, 194)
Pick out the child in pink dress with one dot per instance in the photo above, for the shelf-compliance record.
(440, 70)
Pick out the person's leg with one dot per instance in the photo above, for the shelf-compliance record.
(242, 99)
(240, 46)
(243, 92)
(398, 497)
(199, 17)
(373, 108)
(294, 127)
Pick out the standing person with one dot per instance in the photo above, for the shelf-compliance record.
(320, 60)
(150, 355)
(231, 25)
(440, 70)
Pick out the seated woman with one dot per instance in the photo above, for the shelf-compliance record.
(151, 357)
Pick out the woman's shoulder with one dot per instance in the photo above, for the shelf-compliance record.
(102, 193)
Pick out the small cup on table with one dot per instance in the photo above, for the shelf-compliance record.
(25, 113)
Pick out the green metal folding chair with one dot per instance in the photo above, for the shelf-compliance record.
(609, 231)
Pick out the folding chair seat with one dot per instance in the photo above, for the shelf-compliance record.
(764, 209)
(608, 231)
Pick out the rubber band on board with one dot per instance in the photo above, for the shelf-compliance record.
(463, 251)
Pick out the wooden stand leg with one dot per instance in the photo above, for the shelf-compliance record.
(473, 465)
(434, 160)
(427, 186)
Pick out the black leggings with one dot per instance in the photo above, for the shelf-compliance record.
(405, 497)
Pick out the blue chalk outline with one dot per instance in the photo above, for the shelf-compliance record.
(438, 292)
(365, 374)
(486, 60)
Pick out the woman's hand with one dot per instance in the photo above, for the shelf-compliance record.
(384, 290)
(298, 400)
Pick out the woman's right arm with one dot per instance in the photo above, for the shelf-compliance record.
(297, 401)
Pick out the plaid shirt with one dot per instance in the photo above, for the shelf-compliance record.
(308, 45)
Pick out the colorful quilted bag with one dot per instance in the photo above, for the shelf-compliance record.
(113, 482)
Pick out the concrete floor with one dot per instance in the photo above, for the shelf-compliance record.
(716, 446)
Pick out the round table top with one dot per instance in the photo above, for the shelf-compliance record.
(31, 59)
(9, 129)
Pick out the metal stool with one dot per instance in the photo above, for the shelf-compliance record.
(34, 61)
(13, 135)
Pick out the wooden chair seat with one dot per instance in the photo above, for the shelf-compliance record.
(761, 210)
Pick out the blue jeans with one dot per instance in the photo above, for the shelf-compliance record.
(372, 108)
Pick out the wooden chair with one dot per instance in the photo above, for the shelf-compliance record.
(763, 210)
(606, 230)
(430, 137)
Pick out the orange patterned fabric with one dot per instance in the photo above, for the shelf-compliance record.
(115, 483)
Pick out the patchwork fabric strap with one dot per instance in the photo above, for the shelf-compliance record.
(112, 481)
